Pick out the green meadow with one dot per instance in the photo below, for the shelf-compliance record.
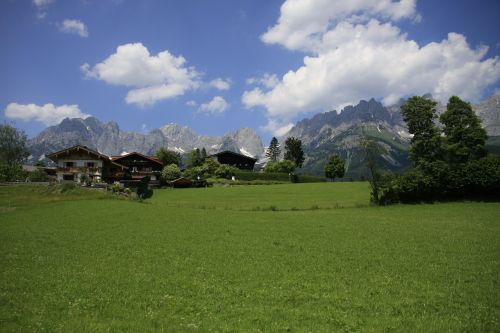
(269, 258)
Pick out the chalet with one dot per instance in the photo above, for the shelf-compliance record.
(80, 160)
(234, 159)
(140, 166)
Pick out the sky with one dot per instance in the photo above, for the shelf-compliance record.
(220, 65)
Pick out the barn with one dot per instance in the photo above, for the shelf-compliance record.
(239, 161)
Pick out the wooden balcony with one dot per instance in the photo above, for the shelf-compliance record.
(89, 171)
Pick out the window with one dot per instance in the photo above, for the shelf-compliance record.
(90, 164)
(68, 177)
(69, 164)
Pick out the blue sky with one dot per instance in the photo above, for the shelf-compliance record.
(220, 65)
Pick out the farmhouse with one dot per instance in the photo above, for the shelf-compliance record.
(139, 166)
(234, 159)
(80, 160)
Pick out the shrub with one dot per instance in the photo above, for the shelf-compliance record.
(478, 179)
(226, 171)
(284, 166)
(143, 191)
(170, 172)
(12, 173)
(38, 176)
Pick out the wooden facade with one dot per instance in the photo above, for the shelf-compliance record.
(239, 161)
(140, 166)
(74, 162)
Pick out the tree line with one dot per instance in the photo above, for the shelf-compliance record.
(449, 159)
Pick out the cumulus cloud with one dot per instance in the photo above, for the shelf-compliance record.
(267, 80)
(276, 127)
(221, 84)
(74, 27)
(152, 77)
(353, 54)
(48, 114)
(216, 105)
(302, 23)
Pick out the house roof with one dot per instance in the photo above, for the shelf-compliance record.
(228, 152)
(54, 156)
(150, 158)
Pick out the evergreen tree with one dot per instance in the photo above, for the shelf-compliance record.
(464, 136)
(194, 159)
(419, 114)
(273, 151)
(294, 152)
(335, 167)
(168, 157)
(203, 154)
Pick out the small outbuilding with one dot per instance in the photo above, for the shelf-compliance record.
(180, 183)
(239, 161)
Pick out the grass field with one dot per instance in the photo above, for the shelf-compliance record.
(295, 257)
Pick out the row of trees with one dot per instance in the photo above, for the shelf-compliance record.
(293, 156)
(198, 165)
(449, 160)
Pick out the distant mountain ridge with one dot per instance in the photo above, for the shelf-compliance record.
(322, 135)
(109, 139)
(340, 133)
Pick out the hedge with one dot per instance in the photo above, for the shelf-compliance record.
(276, 176)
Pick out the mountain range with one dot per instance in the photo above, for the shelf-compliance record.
(322, 135)
(109, 139)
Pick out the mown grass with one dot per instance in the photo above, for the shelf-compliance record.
(100, 265)
(281, 197)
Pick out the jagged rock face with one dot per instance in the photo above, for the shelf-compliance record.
(108, 139)
(340, 133)
(489, 112)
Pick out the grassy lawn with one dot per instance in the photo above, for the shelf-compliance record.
(297, 257)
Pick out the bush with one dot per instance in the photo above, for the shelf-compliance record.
(12, 173)
(38, 176)
(193, 173)
(250, 176)
(143, 191)
(170, 172)
(478, 179)
(284, 166)
(226, 171)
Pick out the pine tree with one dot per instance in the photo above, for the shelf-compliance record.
(273, 151)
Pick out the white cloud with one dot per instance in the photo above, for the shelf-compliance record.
(352, 56)
(42, 3)
(42, 6)
(191, 103)
(267, 80)
(216, 105)
(276, 127)
(74, 27)
(221, 84)
(153, 77)
(303, 22)
(49, 114)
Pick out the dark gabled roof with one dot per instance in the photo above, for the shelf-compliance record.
(233, 153)
(150, 158)
(53, 156)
